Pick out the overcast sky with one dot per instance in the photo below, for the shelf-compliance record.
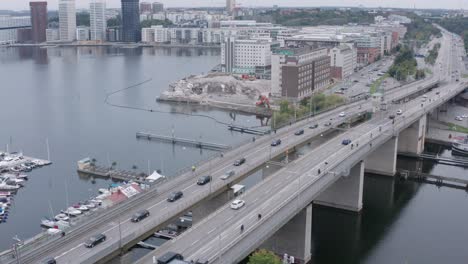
(452, 4)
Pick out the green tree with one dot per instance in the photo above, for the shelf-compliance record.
(115, 21)
(155, 22)
(82, 19)
(264, 256)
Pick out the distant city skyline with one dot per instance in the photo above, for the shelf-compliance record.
(448, 4)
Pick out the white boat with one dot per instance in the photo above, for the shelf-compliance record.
(5, 194)
(90, 205)
(461, 147)
(97, 202)
(81, 207)
(45, 222)
(6, 187)
(22, 176)
(72, 211)
(62, 217)
(103, 191)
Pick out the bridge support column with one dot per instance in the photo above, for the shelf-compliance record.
(346, 193)
(294, 238)
(411, 140)
(383, 160)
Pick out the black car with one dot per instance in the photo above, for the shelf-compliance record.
(346, 142)
(239, 162)
(392, 117)
(169, 257)
(300, 132)
(204, 180)
(95, 240)
(175, 196)
(313, 126)
(140, 216)
(276, 142)
(49, 261)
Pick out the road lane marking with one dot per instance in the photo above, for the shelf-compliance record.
(209, 232)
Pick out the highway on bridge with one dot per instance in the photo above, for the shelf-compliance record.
(115, 222)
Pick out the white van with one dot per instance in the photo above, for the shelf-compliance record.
(228, 174)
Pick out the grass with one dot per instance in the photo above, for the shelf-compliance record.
(377, 83)
(428, 71)
(465, 76)
(457, 128)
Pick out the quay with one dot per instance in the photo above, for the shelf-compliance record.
(182, 141)
(436, 158)
(86, 166)
(248, 130)
(434, 179)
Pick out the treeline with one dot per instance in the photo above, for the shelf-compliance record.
(420, 31)
(458, 25)
(405, 65)
(433, 54)
(83, 19)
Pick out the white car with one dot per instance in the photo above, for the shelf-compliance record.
(342, 114)
(237, 204)
(459, 118)
(465, 116)
(399, 112)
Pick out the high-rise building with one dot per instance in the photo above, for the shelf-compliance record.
(98, 23)
(130, 21)
(145, 8)
(38, 21)
(158, 7)
(67, 20)
(230, 6)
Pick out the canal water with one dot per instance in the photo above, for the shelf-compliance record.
(58, 94)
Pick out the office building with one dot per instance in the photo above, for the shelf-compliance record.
(145, 8)
(9, 26)
(158, 7)
(38, 21)
(230, 6)
(130, 21)
(247, 56)
(82, 33)
(98, 21)
(52, 34)
(342, 61)
(67, 20)
(299, 72)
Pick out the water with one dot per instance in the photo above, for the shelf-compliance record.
(59, 94)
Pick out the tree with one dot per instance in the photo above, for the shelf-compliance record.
(114, 22)
(264, 256)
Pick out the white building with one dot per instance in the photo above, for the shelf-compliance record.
(98, 21)
(52, 34)
(230, 6)
(9, 25)
(247, 56)
(155, 34)
(82, 33)
(67, 20)
(342, 61)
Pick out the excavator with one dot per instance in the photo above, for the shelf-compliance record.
(263, 101)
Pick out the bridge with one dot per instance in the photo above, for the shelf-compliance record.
(284, 198)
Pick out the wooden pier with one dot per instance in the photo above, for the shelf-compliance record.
(111, 173)
(248, 130)
(461, 162)
(182, 141)
(434, 179)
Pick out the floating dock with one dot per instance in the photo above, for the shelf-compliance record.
(182, 141)
(248, 130)
(441, 160)
(86, 166)
(434, 179)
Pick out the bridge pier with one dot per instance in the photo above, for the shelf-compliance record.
(411, 140)
(294, 238)
(383, 160)
(346, 192)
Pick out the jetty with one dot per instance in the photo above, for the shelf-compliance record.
(248, 130)
(461, 162)
(182, 141)
(434, 179)
(87, 166)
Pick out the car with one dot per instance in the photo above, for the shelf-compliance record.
(437, 93)
(355, 81)
(299, 132)
(49, 261)
(239, 162)
(342, 114)
(203, 180)
(391, 116)
(276, 142)
(399, 112)
(237, 204)
(328, 124)
(313, 126)
(95, 240)
(137, 217)
(228, 174)
(174, 196)
(346, 142)
(464, 116)
(168, 257)
(458, 118)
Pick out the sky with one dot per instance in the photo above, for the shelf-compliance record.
(448, 4)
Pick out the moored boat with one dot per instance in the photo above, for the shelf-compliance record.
(460, 147)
